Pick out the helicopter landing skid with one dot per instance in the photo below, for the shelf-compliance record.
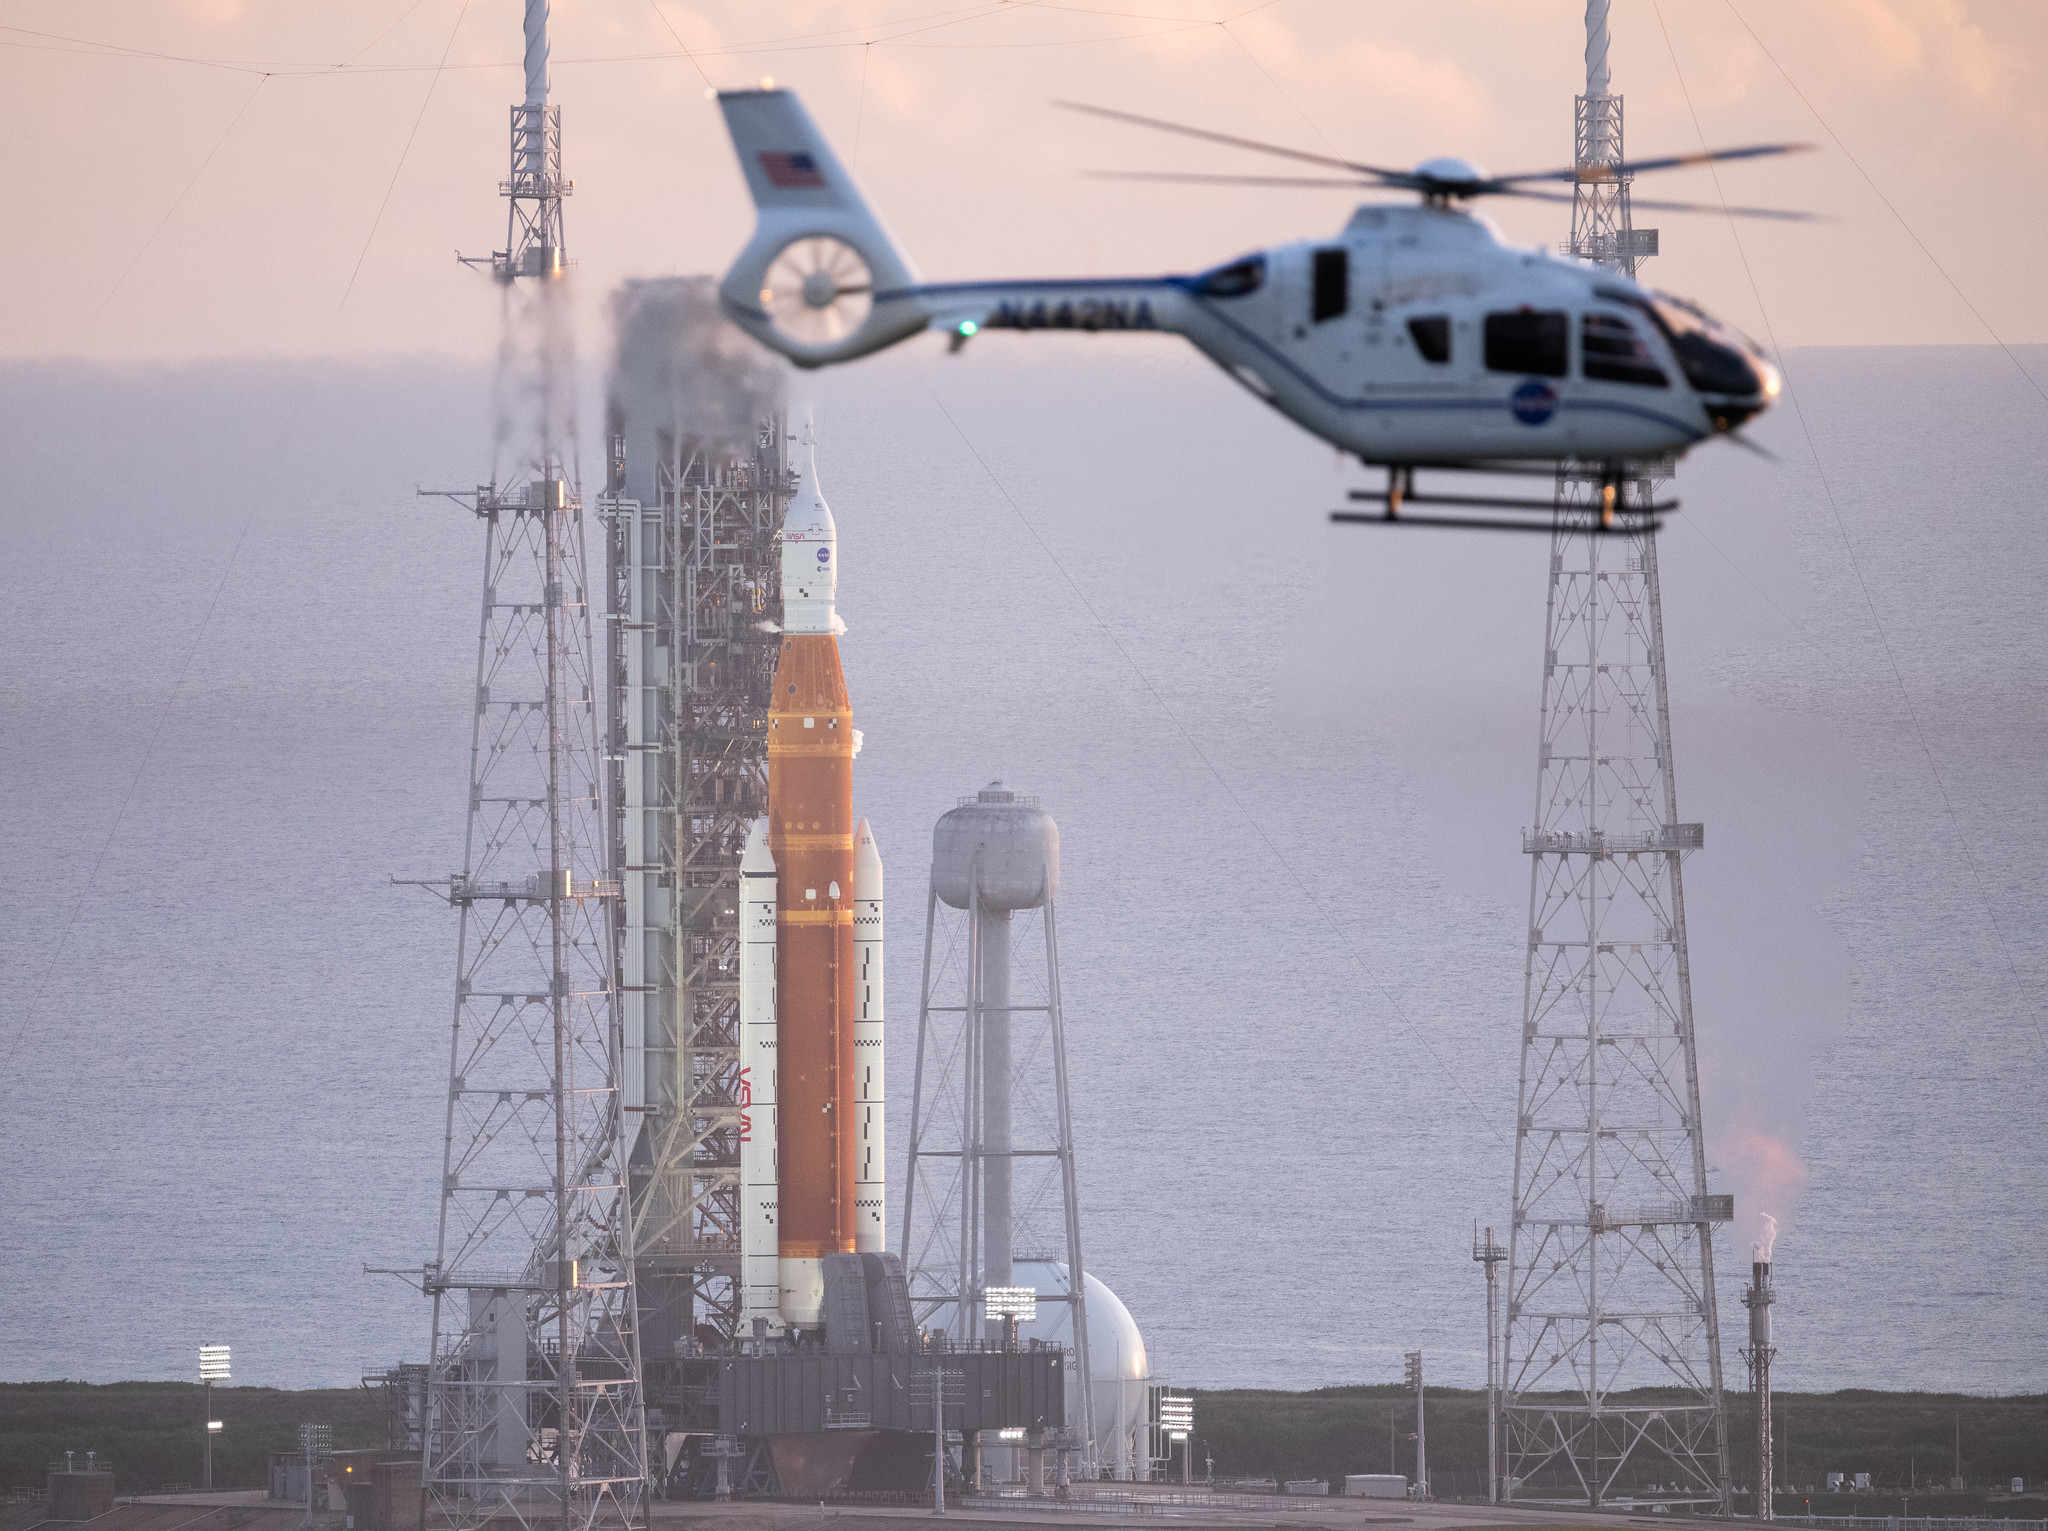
(1603, 515)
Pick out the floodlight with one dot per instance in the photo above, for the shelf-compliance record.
(1176, 1416)
(213, 1426)
(1011, 1302)
(213, 1363)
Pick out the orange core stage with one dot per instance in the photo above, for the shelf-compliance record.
(810, 832)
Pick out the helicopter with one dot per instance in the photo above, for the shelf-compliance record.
(1415, 338)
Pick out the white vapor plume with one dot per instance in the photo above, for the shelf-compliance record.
(1761, 1249)
(683, 374)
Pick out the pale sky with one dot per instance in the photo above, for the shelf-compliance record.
(174, 200)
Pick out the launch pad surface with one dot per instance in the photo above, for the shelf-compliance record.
(253, 1509)
(1128, 1504)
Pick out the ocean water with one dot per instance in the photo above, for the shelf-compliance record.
(1290, 762)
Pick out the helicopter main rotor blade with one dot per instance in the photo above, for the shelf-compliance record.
(1642, 167)
(1397, 178)
(1350, 183)
(1656, 204)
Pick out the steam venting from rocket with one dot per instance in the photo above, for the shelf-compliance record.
(1761, 1249)
(684, 378)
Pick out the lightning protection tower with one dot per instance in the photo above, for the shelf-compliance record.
(1610, 1265)
(534, 1411)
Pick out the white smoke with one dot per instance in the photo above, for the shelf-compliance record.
(683, 373)
(1761, 1249)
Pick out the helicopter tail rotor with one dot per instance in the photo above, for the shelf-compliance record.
(807, 283)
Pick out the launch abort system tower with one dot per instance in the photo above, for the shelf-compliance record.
(1610, 1265)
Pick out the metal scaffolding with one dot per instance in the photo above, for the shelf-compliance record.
(989, 1179)
(694, 581)
(533, 1409)
(1758, 1355)
(1611, 1366)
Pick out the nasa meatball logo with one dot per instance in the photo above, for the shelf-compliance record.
(1534, 402)
(824, 555)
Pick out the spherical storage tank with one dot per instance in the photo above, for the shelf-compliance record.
(1005, 846)
(1116, 1359)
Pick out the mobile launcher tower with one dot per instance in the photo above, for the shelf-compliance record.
(693, 530)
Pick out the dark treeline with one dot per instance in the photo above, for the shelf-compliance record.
(1903, 1440)
(153, 1432)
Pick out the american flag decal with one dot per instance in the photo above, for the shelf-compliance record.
(792, 172)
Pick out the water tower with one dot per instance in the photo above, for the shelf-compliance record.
(989, 1203)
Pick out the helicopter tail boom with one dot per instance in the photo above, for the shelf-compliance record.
(820, 278)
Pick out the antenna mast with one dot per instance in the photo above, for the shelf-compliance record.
(1610, 1253)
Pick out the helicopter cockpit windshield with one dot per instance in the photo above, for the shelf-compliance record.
(1234, 280)
(1725, 367)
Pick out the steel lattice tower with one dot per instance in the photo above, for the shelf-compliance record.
(989, 1180)
(534, 1412)
(1611, 1367)
(695, 581)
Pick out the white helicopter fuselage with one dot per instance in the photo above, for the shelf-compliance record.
(1415, 336)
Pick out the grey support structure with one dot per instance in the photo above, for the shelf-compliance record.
(1610, 1282)
(991, 1177)
(533, 1411)
(532, 1280)
(695, 586)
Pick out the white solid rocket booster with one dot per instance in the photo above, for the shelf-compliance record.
(760, 1285)
(870, 1190)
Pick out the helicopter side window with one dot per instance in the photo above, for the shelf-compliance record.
(1528, 340)
(1234, 280)
(1612, 352)
(1332, 284)
(1432, 337)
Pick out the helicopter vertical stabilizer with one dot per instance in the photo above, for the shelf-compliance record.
(807, 282)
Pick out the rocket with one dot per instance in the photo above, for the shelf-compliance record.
(811, 1024)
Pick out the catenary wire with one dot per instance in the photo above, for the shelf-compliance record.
(655, 6)
(92, 876)
(1235, 801)
(290, 425)
(399, 169)
(404, 17)
(1856, 566)
(800, 42)
(178, 201)
(1887, 201)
